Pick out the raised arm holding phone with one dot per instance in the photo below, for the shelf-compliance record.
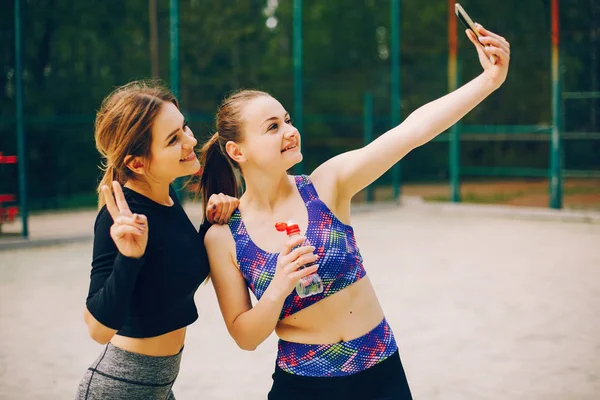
(335, 343)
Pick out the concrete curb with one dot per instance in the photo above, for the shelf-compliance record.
(518, 212)
(489, 210)
(17, 244)
(526, 213)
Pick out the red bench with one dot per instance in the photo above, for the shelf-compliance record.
(8, 159)
(9, 212)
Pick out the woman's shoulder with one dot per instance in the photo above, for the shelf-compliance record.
(220, 246)
(217, 235)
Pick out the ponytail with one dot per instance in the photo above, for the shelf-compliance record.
(218, 175)
(110, 175)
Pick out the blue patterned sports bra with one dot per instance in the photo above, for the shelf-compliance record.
(340, 262)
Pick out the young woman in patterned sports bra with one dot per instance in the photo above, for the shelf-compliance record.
(335, 344)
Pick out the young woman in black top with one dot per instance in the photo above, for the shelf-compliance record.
(148, 258)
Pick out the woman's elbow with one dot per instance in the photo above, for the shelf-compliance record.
(245, 345)
(101, 340)
(98, 332)
(242, 341)
(100, 337)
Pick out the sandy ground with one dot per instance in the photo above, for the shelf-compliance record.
(483, 307)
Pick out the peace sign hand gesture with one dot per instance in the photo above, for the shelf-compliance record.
(129, 231)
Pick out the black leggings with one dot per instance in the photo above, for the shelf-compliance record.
(384, 381)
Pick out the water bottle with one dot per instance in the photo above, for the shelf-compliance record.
(310, 284)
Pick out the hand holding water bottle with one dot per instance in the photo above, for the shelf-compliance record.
(292, 265)
(311, 283)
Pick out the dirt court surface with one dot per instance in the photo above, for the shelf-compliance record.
(482, 307)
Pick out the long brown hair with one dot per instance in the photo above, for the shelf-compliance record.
(123, 128)
(219, 175)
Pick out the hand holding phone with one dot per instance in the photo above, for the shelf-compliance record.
(468, 23)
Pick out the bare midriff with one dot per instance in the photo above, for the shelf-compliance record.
(167, 344)
(343, 316)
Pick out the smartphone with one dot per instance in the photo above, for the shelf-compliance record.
(468, 23)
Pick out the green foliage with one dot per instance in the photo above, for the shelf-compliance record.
(75, 53)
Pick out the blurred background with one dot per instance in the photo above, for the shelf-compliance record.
(347, 72)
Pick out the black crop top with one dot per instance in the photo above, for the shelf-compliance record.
(155, 294)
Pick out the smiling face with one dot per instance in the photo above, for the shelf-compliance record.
(270, 140)
(172, 148)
